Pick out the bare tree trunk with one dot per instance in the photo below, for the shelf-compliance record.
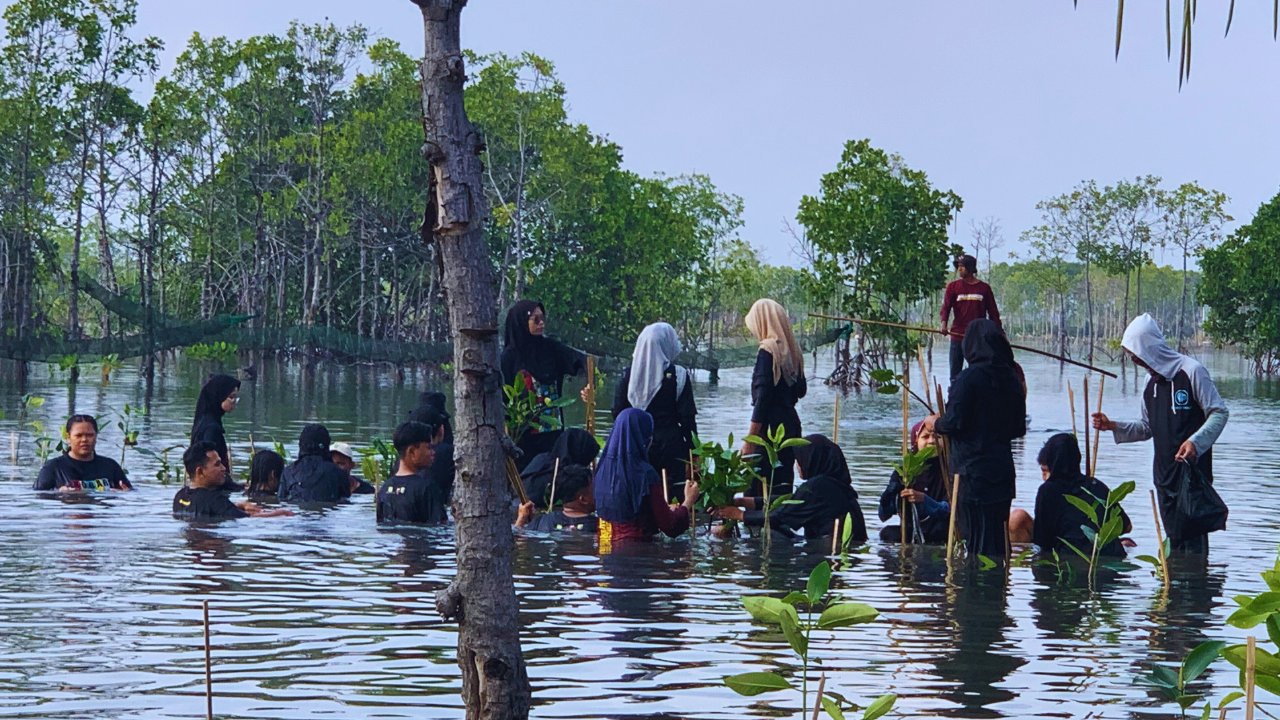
(1182, 304)
(482, 595)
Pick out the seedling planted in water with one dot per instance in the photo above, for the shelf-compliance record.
(783, 613)
(722, 473)
(1108, 523)
(1172, 682)
(774, 442)
(525, 410)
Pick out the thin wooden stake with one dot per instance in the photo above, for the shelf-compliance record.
(951, 530)
(924, 379)
(693, 510)
(513, 476)
(666, 491)
(590, 402)
(1097, 435)
(1164, 561)
(1250, 671)
(835, 426)
(835, 537)
(906, 445)
(208, 666)
(1071, 397)
(817, 702)
(1088, 460)
(555, 472)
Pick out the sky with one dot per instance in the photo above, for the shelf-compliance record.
(1006, 102)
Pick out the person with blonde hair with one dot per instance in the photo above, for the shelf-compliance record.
(777, 383)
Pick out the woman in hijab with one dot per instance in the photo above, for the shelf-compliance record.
(313, 477)
(927, 499)
(575, 447)
(1058, 522)
(628, 490)
(776, 384)
(655, 384)
(826, 495)
(986, 411)
(541, 362)
(217, 398)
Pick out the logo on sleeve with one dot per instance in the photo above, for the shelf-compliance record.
(1181, 400)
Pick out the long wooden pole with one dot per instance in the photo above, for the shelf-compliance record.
(951, 529)
(936, 331)
(1250, 671)
(924, 379)
(555, 472)
(513, 476)
(1097, 435)
(1164, 561)
(906, 442)
(835, 426)
(1088, 460)
(208, 666)
(1071, 398)
(590, 402)
(666, 491)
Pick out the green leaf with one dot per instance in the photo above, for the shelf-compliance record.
(846, 614)
(846, 532)
(754, 683)
(1230, 698)
(1120, 493)
(1149, 559)
(1164, 676)
(791, 630)
(1270, 683)
(985, 562)
(1186, 701)
(819, 582)
(1075, 549)
(755, 440)
(832, 708)
(1265, 664)
(1207, 709)
(1258, 609)
(794, 597)
(1199, 659)
(879, 707)
(882, 375)
(887, 389)
(764, 608)
(778, 501)
(1084, 507)
(793, 442)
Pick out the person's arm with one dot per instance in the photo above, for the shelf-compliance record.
(674, 522)
(801, 387)
(762, 398)
(989, 301)
(1215, 410)
(948, 298)
(889, 498)
(927, 507)
(48, 477)
(952, 422)
(620, 401)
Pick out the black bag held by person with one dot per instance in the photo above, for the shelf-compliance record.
(1199, 509)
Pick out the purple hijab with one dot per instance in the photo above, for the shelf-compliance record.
(622, 476)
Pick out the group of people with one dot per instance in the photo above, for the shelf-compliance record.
(642, 483)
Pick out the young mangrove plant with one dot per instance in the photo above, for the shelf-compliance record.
(912, 465)
(376, 461)
(722, 473)
(1172, 681)
(167, 473)
(783, 613)
(1263, 609)
(129, 436)
(774, 442)
(1108, 523)
(109, 364)
(526, 410)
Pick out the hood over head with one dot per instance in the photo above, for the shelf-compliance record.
(622, 474)
(985, 344)
(314, 440)
(216, 390)
(1144, 339)
(1061, 454)
(535, 353)
(823, 457)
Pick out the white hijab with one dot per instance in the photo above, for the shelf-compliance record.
(656, 348)
(1144, 339)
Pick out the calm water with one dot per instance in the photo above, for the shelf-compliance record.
(323, 615)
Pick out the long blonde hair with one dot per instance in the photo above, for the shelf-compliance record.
(768, 321)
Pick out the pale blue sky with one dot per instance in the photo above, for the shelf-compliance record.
(1006, 102)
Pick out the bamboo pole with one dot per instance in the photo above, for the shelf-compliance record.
(906, 444)
(817, 701)
(1164, 561)
(693, 509)
(555, 472)
(513, 476)
(835, 537)
(208, 665)
(1088, 461)
(1071, 398)
(924, 379)
(1250, 671)
(835, 426)
(1097, 435)
(936, 331)
(666, 491)
(590, 402)
(951, 529)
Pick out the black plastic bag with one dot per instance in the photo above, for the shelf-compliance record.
(1198, 509)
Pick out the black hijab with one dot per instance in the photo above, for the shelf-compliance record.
(430, 411)
(985, 344)
(827, 492)
(1061, 454)
(314, 440)
(209, 406)
(575, 446)
(536, 354)
(821, 457)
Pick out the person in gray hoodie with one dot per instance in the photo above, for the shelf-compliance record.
(1183, 415)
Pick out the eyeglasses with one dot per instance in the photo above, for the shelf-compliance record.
(537, 320)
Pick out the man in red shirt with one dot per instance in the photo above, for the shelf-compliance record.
(970, 299)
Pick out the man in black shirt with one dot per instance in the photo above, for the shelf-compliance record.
(202, 499)
(410, 496)
(81, 468)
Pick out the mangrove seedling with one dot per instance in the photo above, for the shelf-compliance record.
(129, 436)
(1156, 565)
(1108, 523)
(1263, 609)
(1063, 568)
(722, 473)
(783, 613)
(774, 442)
(1172, 682)
(912, 465)
(29, 402)
(167, 472)
(526, 410)
(377, 460)
(46, 445)
(109, 364)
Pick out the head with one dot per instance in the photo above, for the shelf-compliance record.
(264, 472)
(415, 445)
(621, 481)
(822, 457)
(430, 411)
(574, 488)
(342, 456)
(768, 322)
(985, 344)
(218, 396)
(1144, 342)
(82, 437)
(922, 435)
(966, 266)
(576, 447)
(314, 440)
(526, 318)
(1060, 458)
(204, 465)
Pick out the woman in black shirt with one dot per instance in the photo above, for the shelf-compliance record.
(81, 467)
(541, 362)
(776, 385)
(217, 398)
(655, 384)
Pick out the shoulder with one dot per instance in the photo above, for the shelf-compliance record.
(56, 464)
(764, 359)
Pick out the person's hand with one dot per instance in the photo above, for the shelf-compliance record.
(1102, 422)
(524, 514)
(928, 424)
(1187, 452)
(250, 507)
(1128, 542)
(912, 496)
(583, 394)
(278, 512)
(691, 493)
(728, 513)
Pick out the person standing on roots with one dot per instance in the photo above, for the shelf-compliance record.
(970, 299)
(986, 411)
(777, 383)
(1183, 414)
(218, 397)
(655, 384)
(540, 362)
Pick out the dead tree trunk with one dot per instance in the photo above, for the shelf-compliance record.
(482, 595)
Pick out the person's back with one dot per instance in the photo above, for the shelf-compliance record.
(1058, 522)
(313, 477)
(412, 495)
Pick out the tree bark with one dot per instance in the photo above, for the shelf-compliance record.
(482, 595)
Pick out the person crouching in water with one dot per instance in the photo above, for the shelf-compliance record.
(926, 500)
(826, 496)
(313, 477)
(1058, 522)
(575, 495)
(202, 498)
(628, 490)
(410, 495)
(344, 457)
(986, 411)
(264, 475)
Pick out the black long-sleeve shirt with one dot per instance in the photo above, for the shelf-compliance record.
(674, 419)
(1058, 522)
(774, 404)
(985, 412)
